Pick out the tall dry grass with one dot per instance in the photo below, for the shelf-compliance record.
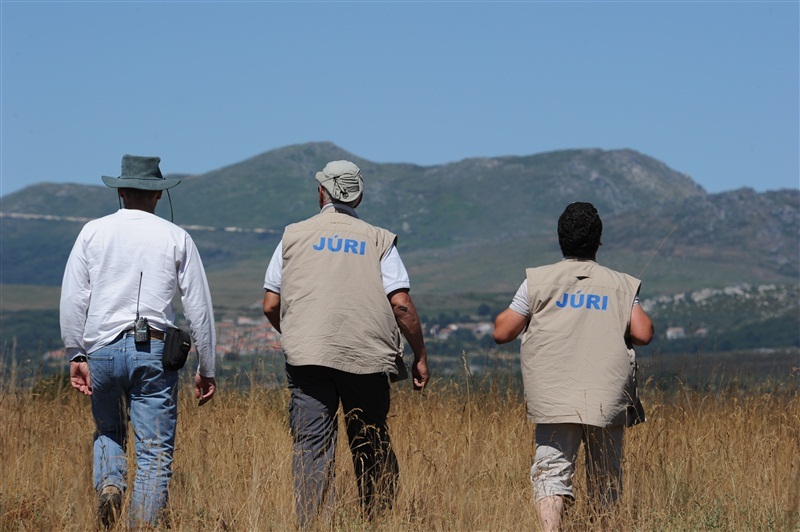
(728, 460)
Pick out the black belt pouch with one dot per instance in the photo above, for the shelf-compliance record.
(177, 344)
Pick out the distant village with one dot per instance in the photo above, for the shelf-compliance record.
(243, 336)
(692, 322)
(239, 337)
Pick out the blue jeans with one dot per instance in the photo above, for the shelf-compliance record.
(129, 380)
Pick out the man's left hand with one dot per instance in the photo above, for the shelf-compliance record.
(204, 388)
(419, 373)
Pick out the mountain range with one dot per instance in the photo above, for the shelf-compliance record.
(467, 230)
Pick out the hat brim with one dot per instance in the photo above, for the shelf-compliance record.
(141, 184)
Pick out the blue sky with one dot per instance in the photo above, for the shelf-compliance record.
(709, 88)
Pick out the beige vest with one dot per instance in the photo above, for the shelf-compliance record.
(577, 360)
(334, 311)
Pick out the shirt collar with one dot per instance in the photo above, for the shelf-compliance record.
(339, 207)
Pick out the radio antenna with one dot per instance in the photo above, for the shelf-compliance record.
(657, 250)
(139, 295)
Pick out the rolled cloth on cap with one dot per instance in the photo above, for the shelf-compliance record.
(342, 179)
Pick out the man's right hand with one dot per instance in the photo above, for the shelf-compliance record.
(79, 377)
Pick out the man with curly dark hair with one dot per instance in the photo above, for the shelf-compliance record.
(580, 322)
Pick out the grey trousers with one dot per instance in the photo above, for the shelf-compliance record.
(316, 393)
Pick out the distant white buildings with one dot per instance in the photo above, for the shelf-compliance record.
(678, 333)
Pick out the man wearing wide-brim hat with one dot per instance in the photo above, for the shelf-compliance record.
(338, 292)
(116, 306)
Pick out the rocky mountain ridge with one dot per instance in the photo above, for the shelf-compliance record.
(486, 218)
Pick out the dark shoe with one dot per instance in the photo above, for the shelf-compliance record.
(109, 506)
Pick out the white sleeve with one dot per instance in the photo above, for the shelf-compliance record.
(197, 307)
(520, 302)
(393, 272)
(272, 279)
(76, 292)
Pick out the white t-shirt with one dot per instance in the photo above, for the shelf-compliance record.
(520, 302)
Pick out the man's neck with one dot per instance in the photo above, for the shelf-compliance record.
(340, 208)
(144, 208)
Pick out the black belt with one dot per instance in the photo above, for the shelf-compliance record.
(155, 334)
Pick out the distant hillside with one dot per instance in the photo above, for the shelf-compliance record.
(733, 318)
(467, 230)
(467, 226)
(429, 207)
(740, 227)
(434, 207)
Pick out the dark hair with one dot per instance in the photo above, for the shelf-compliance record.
(579, 231)
(138, 193)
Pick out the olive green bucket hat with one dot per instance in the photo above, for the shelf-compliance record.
(140, 172)
(342, 179)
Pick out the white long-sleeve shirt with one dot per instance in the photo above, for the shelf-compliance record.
(101, 283)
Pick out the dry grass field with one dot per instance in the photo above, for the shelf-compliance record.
(728, 460)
